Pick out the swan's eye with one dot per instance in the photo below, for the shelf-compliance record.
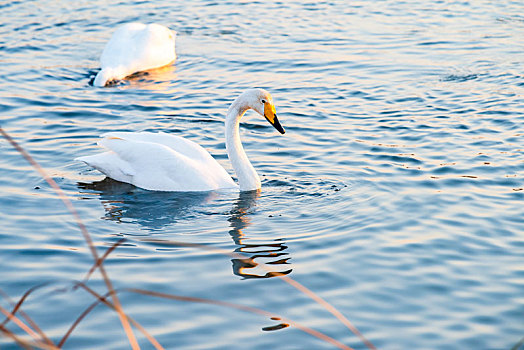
(263, 101)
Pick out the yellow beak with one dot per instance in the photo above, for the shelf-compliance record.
(271, 115)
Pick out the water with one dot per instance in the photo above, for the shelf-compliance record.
(396, 193)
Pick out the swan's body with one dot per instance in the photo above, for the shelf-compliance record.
(159, 161)
(135, 47)
(164, 162)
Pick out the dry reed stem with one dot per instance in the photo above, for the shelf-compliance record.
(17, 306)
(103, 299)
(26, 329)
(80, 318)
(102, 258)
(518, 345)
(285, 278)
(21, 342)
(61, 194)
(19, 323)
(250, 309)
(329, 308)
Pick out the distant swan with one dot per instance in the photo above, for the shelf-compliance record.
(135, 47)
(165, 162)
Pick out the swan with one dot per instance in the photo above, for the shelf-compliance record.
(165, 162)
(135, 47)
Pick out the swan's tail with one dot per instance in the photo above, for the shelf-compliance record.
(89, 160)
(111, 165)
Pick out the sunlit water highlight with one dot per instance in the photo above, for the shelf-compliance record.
(396, 193)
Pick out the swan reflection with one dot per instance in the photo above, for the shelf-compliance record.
(155, 210)
(273, 253)
(152, 210)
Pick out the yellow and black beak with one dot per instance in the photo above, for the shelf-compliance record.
(271, 115)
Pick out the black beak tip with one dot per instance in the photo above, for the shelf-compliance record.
(277, 126)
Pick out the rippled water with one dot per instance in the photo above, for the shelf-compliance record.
(396, 193)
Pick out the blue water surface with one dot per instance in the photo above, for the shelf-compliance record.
(396, 194)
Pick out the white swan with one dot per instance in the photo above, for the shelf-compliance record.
(165, 162)
(135, 47)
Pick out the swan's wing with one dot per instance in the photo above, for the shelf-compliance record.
(177, 143)
(155, 166)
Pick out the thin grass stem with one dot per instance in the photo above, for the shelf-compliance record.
(16, 307)
(518, 345)
(102, 258)
(103, 299)
(17, 339)
(22, 325)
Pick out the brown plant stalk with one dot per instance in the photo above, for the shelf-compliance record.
(26, 329)
(103, 299)
(23, 343)
(16, 307)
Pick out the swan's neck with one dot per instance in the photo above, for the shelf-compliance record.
(248, 179)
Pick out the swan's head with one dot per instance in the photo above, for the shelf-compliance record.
(261, 101)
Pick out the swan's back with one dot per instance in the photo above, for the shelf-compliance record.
(136, 47)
